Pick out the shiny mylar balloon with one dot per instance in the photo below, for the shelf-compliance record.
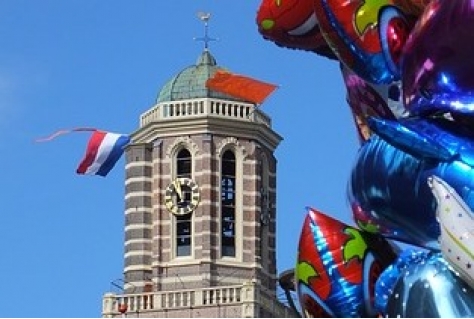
(389, 277)
(412, 8)
(337, 267)
(437, 65)
(371, 100)
(388, 188)
(367, 36)
(427, 288)
(292, 24)
(457, 228)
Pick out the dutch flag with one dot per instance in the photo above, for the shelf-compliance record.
(103, 151)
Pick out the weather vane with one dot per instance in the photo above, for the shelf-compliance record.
(203, 16)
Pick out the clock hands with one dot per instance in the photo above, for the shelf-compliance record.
(179, 191)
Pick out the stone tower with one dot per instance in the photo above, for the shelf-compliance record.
(200, 213)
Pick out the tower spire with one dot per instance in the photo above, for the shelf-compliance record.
(204, 17)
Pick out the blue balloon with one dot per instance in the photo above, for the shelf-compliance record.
(388, 185)
(428, 288)
(386, 282)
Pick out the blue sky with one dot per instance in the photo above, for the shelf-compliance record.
(101, 63)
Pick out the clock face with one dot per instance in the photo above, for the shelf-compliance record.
(182, 196)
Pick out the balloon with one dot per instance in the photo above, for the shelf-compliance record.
(337, 267)
(366, 100)
(389, 277)
(388, 189)
(412, 7)
(367, 36)
(437, 65)
(457, 228)
(292, 24)
(413, 179)
(427, 288)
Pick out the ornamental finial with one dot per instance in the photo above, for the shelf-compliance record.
(204, 17)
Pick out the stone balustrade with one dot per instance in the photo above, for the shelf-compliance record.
(204, 107)
(246, 298)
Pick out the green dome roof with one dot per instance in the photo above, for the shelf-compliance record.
(190, 83)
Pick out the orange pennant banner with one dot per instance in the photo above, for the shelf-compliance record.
(240, 86)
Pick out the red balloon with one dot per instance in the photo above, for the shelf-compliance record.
(367, 36)
(337, 267)
(292, 24)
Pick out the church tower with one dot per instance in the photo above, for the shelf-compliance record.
(200, 205)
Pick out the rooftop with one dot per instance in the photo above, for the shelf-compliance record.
(190, 83)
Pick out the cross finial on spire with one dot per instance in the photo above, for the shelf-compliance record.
(203, 16)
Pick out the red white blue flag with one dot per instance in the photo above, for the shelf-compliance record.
(103, 150)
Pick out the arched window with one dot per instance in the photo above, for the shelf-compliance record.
(228, 204)
(183, 164)
(183, 223)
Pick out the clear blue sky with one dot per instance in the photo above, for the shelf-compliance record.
(101, 63)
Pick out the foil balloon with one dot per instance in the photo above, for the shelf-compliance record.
(388, 186)
(389, 277)
(292, 24)
(367, 36)
(437, 65)
(371, 100)
(427, 288)
(337, 267)
(457, 229)
(412, 8)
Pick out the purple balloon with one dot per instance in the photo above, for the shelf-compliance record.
(437, 62)
(367, 99)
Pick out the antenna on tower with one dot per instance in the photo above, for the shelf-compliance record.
(204, 17)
